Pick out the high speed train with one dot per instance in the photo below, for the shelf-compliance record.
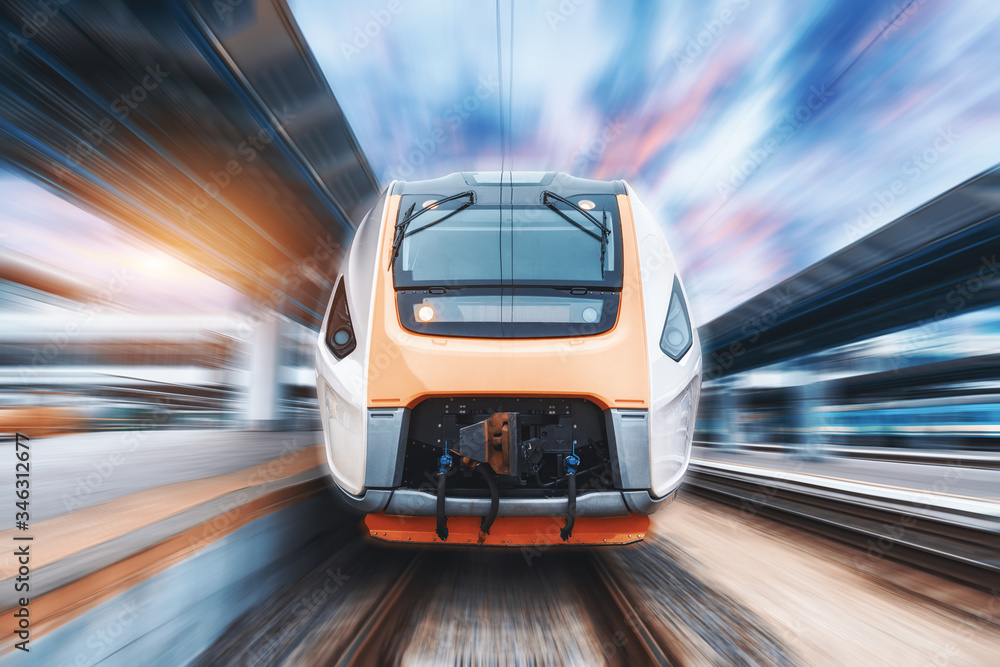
(508, 359)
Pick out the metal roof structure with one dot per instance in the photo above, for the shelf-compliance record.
(938, 261)
(205, 128)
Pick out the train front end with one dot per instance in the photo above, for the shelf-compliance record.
(508, 361)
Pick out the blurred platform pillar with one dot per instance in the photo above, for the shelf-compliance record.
(811, 397)
(732, 415)
(263, 392)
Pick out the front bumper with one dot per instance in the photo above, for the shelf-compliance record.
(408, 502)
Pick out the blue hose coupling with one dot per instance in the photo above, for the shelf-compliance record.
(572, 461)
(444, 463)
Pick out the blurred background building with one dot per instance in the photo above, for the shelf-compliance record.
(68, 365)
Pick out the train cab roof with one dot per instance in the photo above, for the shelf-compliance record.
(525, 186)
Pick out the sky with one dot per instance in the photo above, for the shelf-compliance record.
(142, 278)
(764, 135)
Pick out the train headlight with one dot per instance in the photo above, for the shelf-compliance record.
(339, 330)
(425, 313)
(676, 338)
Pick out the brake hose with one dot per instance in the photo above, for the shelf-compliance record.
(571, 462)
(442, 475)
(491, 480)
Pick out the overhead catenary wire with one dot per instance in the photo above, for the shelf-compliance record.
(871, 43)
(503, 146)
(510, 117)
(505, 132)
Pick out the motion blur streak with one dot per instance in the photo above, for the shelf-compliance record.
(187, 139)
(179, 180)
(738, 121)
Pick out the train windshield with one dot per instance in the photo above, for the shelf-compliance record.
(542, 270)
(477, 246)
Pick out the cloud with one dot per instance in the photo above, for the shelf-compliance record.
(692, 116)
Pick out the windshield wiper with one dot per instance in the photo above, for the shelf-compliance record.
(605, 231)
(401, 226)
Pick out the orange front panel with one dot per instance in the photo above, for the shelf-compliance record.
(610, 369)
(509, 531)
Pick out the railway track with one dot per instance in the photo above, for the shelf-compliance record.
(960, 546)
(639, 605)
(374, 605)
(625, 640)
(963, 457)
(657, 654)
(369, 643)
